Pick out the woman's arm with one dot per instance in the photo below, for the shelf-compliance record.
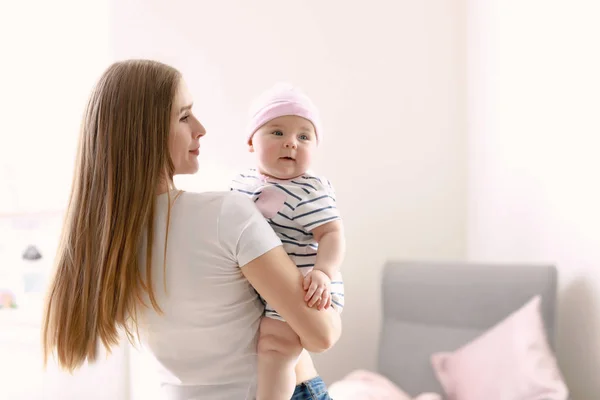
(279, 282)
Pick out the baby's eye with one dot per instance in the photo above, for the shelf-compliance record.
(278, 133)
(303, 137)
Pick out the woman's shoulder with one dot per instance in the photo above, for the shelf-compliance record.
(217, 202)
(235, 220)
(216, 197)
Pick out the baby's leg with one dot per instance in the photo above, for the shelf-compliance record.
(278, 351)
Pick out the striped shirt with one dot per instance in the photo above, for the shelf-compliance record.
(294, 208)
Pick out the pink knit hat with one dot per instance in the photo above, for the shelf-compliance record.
(283, 99)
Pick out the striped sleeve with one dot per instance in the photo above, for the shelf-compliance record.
(236, 182)
(246, 184)
(318, 206)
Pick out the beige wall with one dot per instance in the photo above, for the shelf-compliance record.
(389, 80)
(391, 83)
(52, 52)
(533, 158)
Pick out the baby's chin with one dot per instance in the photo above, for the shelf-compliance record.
(284, 175)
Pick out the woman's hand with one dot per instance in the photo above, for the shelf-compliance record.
(280, 283)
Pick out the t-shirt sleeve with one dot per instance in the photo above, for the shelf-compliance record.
(319, 206)
(237, 183)
(243, 231)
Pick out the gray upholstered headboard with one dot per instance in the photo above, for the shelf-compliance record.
(430, 307)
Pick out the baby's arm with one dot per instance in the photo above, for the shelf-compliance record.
(332, 246)
(330, 255)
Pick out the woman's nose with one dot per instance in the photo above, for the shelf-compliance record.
(200, 131)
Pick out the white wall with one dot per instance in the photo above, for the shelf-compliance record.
(52, 52)
(534, 196)
(23, 378)
(389, 81)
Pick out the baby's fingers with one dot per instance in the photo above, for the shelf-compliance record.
(306, 282)
(325, 301)
(316, 297)
(311, 291)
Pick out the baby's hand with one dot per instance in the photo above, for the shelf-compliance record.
(318, 289)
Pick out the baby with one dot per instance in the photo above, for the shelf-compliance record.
(284, 133)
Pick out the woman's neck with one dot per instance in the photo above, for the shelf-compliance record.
(163, 187)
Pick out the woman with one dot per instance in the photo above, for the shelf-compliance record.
(176, 270)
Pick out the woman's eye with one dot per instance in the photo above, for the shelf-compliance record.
(278, 133)
(185, 118)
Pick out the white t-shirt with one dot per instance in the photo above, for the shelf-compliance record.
(204, 344)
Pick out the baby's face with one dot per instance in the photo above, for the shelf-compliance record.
(284, 147)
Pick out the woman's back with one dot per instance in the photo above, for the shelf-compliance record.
(205, 339)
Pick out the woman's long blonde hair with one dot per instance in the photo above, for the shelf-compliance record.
(121, 161)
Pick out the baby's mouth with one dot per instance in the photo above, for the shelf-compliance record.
(287, 158)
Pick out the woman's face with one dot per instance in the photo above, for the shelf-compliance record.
(186, 131)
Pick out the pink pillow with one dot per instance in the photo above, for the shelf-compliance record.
(366, 385)
(511, 361)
